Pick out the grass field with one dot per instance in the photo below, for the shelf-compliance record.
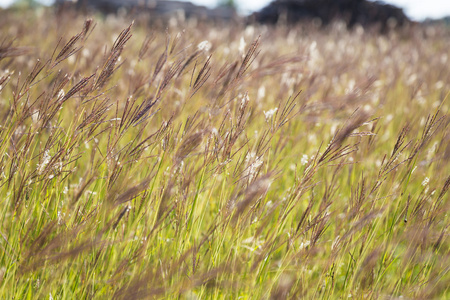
(222, 162)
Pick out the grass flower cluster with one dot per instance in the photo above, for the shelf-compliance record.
(200, 161)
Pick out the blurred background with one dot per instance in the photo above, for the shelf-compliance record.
(417, 10)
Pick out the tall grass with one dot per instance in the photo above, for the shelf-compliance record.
(204, 161)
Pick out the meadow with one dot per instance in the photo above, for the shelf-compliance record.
(193, 160)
